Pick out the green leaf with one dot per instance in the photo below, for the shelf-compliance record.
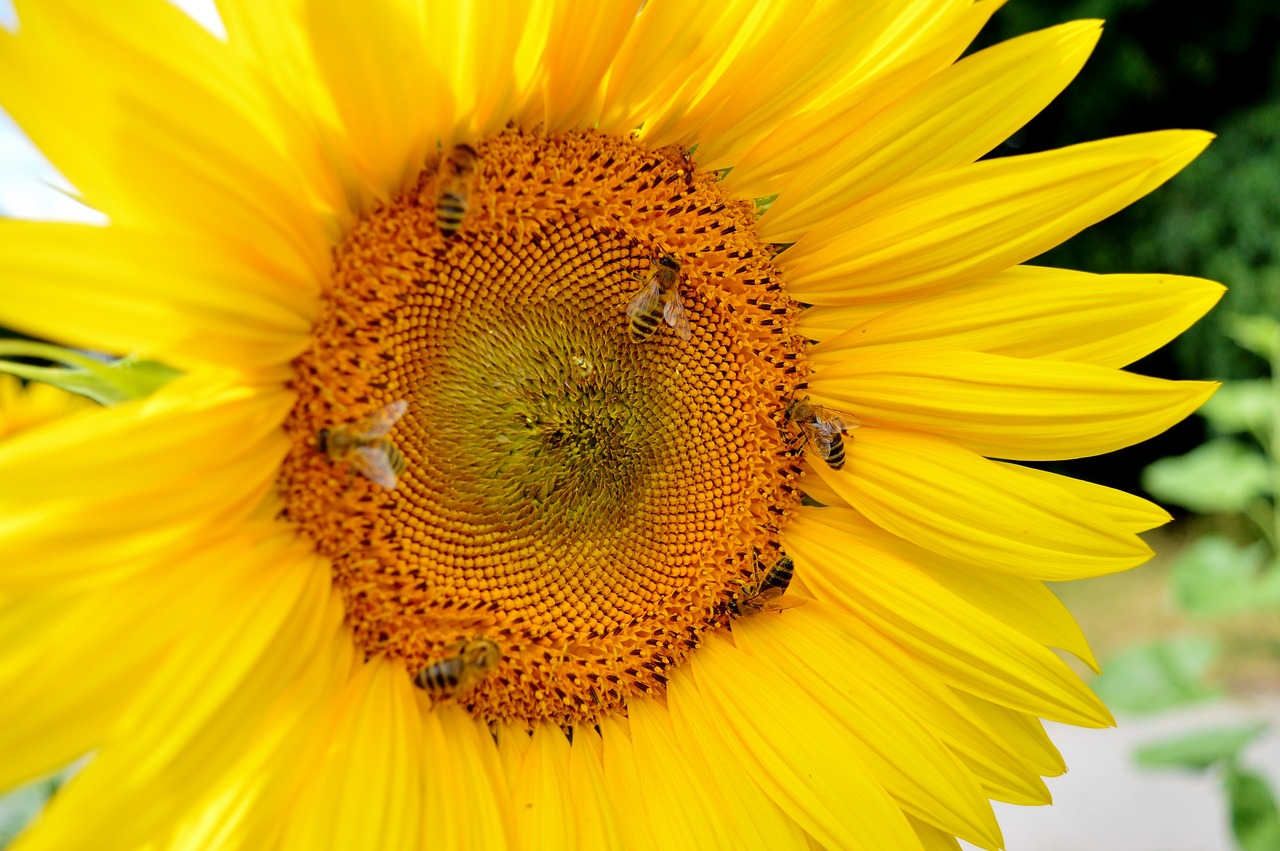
(1222, 475)
(1152, 677)
(20, 806)
(105, 383)
(1243, 406)
(1214, 576)
(1254, 817)
(1199, 750)
(1259, 334)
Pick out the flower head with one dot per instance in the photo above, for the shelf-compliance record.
(586, 430)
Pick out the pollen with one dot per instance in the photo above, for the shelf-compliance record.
(583, 498)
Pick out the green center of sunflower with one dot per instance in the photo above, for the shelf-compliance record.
(579, 490)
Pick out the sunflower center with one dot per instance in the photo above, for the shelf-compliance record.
(534, 490)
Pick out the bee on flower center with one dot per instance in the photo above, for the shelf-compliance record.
(364, 445)
(457, 174)
(659, 299)
(467, 663)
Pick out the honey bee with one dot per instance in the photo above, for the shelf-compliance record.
(765, 594)
(822, 428)
(364, 445)
(682, 157)
(457, 173)
(661, 288)
(457, 673)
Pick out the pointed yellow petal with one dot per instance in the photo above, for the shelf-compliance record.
(391, 100)
(582, 42)
(1024, 409)
(895, 744)
(808, 765)
(365, 786)
(1031, 312)
(596, 822)
(952, 119)
(251, 624)
(623, 784)
(96, 473)
(488, 53)
(672, 785)
(1023, 730)
(930, 234)
(1130, 513)
(463, 766)
(932, 839)
(173, 296)
(801, 58)
(544, 816)
(953, 502)
(971, 649)
(160, 125)
(750, 817)
(768, 166)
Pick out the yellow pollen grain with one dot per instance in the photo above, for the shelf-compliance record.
(588, 502)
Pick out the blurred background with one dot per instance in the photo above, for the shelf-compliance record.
(1191, 641)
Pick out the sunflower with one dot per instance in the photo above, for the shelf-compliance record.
(23, 407)
(587, 425)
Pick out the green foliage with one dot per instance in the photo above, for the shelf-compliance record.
(20, 806)
(105, 382)
(1159, 676)
(1200, 750)
(1215, 577)
(1243, 407)
(1254, 818)
(1223, 475)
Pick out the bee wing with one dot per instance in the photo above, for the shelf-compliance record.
(673, 313)
(643, 302)
(372, 462)
(788, 601)
(819, 438)
(381, 421)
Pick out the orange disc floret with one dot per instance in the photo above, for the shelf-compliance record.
(586, 501)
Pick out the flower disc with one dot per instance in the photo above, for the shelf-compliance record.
(588, 501)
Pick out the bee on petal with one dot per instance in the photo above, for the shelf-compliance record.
(659, 296)
(822, 428)
(364, 445)
(766, 592)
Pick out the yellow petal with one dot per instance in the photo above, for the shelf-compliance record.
(808, 765)
(953, 502)
(798, 59)
(392, 102)
(895, 743)
(489, 55)
(1024, 730)
(969, 648)
(172, 296)
(250, 625)
(932, 839)
(463, 766)
(544, 815)
(952, 119)
(767, 167)
(684, 813)
(931, 234)
(1030, 312)
(130, 119)
(364, 787)
(596, 822)
(750, 817)
(96, 473)
(582, 42)
(1024, 409)
(1130, 513)
(623, 783)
